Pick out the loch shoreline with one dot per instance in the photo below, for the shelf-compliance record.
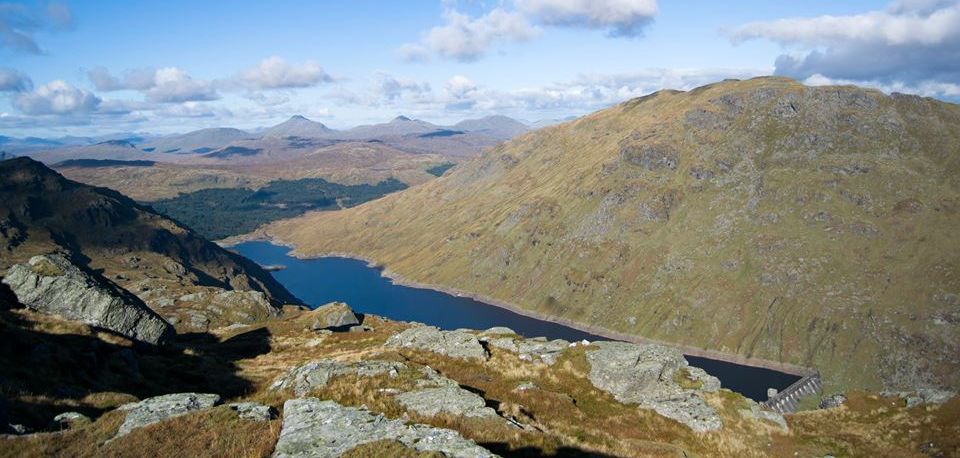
(398, 279)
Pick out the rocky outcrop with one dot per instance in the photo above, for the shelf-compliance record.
(923, 396)
(253, 411)
(451, 400)
(833, 401)
(159, 408)
(536, 349)
(336, 315)
(316, 429)
(315, 374)
(455, 344)
(52, 284)
(646, 375)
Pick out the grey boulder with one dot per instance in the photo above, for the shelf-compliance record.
(253, 411)
(315, 374)
(452, 400)
(159, 408)
(319, 429)
(644, 375)
(335, 315)
(52, 284)
(455, 344)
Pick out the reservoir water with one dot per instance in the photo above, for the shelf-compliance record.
(323, 280)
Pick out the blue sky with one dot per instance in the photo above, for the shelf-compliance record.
(94, 67)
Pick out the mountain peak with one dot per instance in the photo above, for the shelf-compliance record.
(298, 118)
(401, 118)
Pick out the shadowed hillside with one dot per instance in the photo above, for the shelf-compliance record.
(185, 278)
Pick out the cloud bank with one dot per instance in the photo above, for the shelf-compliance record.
(910, 44)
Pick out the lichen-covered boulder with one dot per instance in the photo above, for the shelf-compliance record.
(315, 374)
(451, 400)
(319, 429)
(646, 375)
(159, 408)
(335, 315)
(455, 344)
(52, 284)
(253, 411)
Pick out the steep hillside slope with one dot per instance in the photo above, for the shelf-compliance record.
(193, 283)
(807, 225)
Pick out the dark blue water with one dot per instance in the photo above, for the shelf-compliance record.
(323, 280)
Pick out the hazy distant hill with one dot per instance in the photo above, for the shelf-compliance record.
(298, 126)
(500, 127)
(401, 125)
(199, 141)
(108, 150)
(809, 225)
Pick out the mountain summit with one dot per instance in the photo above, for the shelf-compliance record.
(763, 218)
(298, 126)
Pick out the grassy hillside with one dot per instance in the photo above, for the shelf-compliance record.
(812, 226)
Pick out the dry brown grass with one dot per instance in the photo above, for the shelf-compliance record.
(563, 415)
(213, 433)
(389, 448)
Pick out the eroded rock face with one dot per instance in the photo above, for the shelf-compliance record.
(646, 375)
(336, 315)
(315, 428)
(52, 284)
(455, 344)
(315, 374)
(159, 408)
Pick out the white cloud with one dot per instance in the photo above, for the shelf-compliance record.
(276, 73)
(388, 88)
(172, 85)
(914, 44)
(465, 38)
(56, 98)
(462, 93)
(620, 17)
(14, 81)
(164, 85)
(192, 110)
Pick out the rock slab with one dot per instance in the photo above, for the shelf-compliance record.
(52, 284)
(315, 374)
(645, 375)
(159, 408)
(319, 429)
(455, 344)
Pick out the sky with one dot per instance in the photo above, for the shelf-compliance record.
(104, 66)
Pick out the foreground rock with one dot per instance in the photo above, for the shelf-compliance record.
(336, 315)
(315, 374)
(455, 344)
(451, 400)
(315, 428)
(52, 284)
(159, 408)
(536, 349)
(647, 375)
(253, 411)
